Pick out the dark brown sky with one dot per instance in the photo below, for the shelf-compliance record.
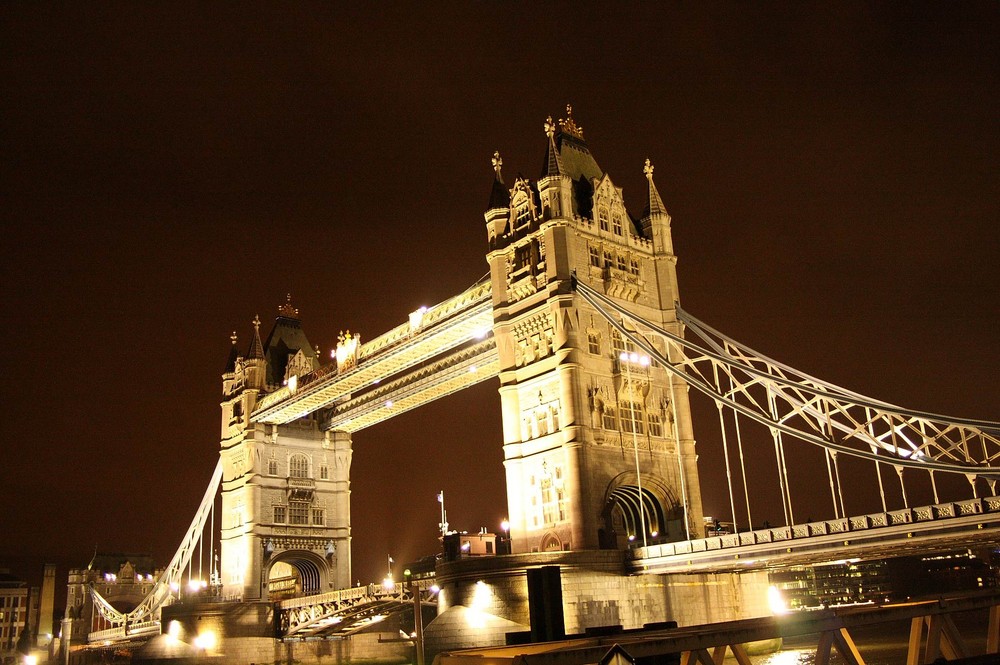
(168, 171)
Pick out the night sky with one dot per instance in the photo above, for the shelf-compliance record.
(170, 170)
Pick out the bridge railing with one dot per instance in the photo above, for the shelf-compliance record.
(923, 514)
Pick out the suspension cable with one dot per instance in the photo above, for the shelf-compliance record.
(833, 492)
(680, 460)
(778, 461)
(725, 451)
(902, 486)
(840, 485)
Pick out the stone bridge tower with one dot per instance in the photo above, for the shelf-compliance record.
(598, 446)
(286, 525)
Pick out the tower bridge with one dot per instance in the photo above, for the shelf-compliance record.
(581, 324)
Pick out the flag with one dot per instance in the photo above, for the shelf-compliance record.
(440, 497)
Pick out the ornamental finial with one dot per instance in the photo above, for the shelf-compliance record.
(256, 323)
(233, 338)
(550, 127)
(287, 310)
(569, 125)
(497, 162)
(648, 169)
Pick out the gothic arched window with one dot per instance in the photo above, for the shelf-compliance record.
(298, 466)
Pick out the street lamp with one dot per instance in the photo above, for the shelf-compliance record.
(505, 547)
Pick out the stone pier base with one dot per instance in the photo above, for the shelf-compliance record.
(482, 599)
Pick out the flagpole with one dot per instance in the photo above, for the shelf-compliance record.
(444, 515)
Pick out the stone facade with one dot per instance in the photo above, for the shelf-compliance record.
(286, 525)
(598, 448)
(483, 599)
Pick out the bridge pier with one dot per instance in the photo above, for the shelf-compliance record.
(483, 599)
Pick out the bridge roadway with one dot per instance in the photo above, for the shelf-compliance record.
(879, 535)
(441, 350)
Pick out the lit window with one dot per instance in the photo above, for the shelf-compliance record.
(279, 514)
(298, 513)
(594, 343)
(655, 425)
(608, 418)
(632, 417)
(617, 343)
(298, 466)
(602, 218)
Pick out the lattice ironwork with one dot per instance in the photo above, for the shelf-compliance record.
(791, 402)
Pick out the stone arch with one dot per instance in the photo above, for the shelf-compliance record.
(296, 573)
(550, 543)
(628, 511)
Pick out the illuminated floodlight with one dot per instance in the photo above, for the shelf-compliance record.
(435, 588)
(644, 361)
(480, 333)
(631, 537)
(174, 629)
(623, 356)
(206, 640)
(388, 404)
(387, 583)
(30, 659)
(775, 601)
(654, 534)
(472, 370)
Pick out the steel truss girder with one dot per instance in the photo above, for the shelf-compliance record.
(462, 368)
(809, 409)
(446, 326)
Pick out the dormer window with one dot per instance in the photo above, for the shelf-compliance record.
(602, 218)
(616, 224)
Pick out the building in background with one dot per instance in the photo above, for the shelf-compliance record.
(18, 613)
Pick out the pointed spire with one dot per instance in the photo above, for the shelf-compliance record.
(553, 163)
(654, 204)
(499, 196)
(256, 351)
(233, 355)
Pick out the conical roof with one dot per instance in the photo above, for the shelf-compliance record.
(654, 204)
(499, 195)
(233, 355)
(256, 350)
(285, 340)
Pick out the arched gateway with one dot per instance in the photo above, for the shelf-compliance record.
(597, 439)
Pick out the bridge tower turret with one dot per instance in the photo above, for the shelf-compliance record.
(598, 443)
(285, 488)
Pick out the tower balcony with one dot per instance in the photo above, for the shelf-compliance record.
(621, 283)
(301, 489)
